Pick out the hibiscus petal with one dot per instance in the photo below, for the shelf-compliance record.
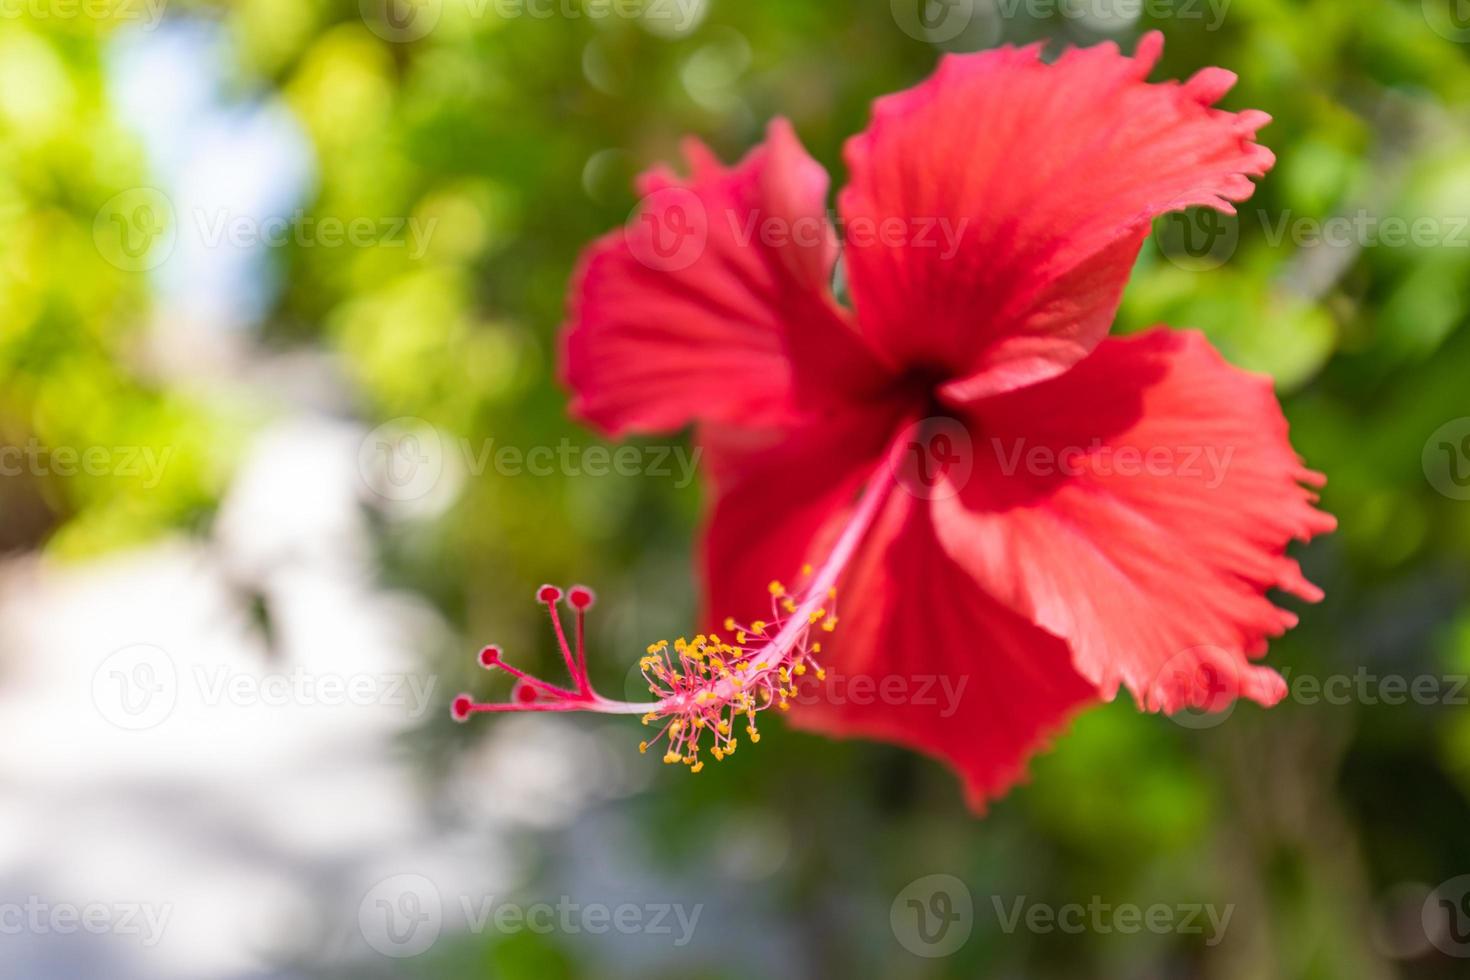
(945, 669)
(1139, 506)
(714, 303)
(921, 656)
(775, 495)
(996, 209)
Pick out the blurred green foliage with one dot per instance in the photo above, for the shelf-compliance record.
(519, 138)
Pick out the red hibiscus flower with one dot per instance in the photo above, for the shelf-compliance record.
(1017, 510)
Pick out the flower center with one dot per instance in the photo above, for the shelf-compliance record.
(703, 686)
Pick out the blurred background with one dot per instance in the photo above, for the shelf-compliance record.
(279, 287)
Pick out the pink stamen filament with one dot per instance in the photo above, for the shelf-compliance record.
(748, 679)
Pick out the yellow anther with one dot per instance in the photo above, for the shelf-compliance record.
(806, 569)
(696, 767)
(821, 674)
(729, 622)
(830, 624)
(642, 747)
(799, 669)
(784, 705)
(776, 587)
(758, 625)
